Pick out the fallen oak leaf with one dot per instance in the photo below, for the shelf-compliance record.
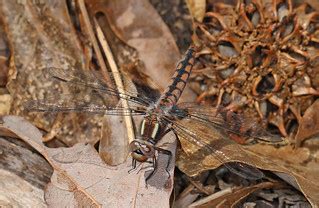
(81, 178)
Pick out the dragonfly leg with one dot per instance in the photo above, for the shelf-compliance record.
(133, 166)
(146, 167)
(154, 169)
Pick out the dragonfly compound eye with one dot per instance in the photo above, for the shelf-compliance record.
(138, 155)
(142, 150)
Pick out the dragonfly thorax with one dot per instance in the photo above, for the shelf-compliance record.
(151, 128)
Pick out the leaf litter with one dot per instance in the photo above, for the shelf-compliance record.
(63, 159)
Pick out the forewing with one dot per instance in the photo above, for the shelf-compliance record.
(229, 121)
(93, 103)
(201, 141)
(92, 80)
(88, 93)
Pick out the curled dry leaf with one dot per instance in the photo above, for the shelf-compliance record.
(81, 178)
(286, 161)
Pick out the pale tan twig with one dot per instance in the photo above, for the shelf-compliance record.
(212, 197)
(118, 81)
(90, 31)
(110, 59)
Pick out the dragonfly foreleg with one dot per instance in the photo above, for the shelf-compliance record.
(133, 166)
(154, 169)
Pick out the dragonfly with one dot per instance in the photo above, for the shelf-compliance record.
(160, 115)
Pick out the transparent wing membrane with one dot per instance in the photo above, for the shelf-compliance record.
(89, 94)
(215, 144)
(92, 80)
(71, 103)
(229, 121)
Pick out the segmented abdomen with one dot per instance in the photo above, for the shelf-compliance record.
(179, 79)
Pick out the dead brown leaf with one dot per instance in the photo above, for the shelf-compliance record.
(81, 178)
(287, 163)
(150, 37)
(41, 35)
(231, 198)
(309, 125)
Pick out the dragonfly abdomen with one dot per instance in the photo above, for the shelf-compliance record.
(179, 79)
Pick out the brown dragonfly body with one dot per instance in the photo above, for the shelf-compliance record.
(160, 115)
(152, 126)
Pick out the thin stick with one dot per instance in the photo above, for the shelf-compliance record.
(212, 197)
(116, 74)
(92, 37)
(110, 58)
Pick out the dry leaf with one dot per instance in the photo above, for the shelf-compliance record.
(282, 161)
(149, 36)
(231, 198)
(5, 104)
(41, 35)
(309, 125)
(197, 9)
(81, 178)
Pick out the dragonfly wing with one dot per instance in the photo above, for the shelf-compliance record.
(245, 171)
(202, 141)
(72, 103)
(92, 80)
(229, 121)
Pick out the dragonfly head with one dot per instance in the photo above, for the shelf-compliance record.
(142, 150)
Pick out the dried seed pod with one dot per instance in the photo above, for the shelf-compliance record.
(260, 54)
